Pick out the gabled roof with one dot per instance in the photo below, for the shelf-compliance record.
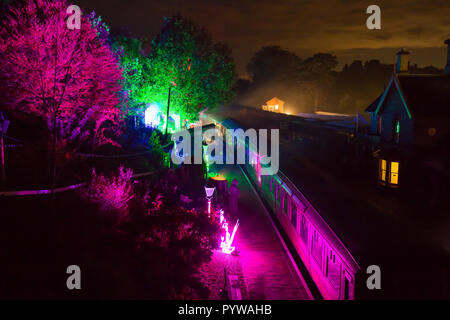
(425, 95)
(274, 101)
(373, 106)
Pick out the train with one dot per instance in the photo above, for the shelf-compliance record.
(338, 262)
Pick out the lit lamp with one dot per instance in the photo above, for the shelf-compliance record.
(209, 194)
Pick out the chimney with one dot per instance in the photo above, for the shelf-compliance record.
(402, 61)
(447, 67)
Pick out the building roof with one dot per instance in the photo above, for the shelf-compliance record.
(274, 101)
(336, 120)
(424, 95)
(373, 106)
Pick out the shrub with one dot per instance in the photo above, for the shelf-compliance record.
(113, 192)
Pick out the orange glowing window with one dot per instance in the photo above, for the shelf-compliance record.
(394, 173)
(383, 169)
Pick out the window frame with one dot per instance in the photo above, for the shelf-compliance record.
(394, 173)
(294, 213)
(277, 194)
(317, 238)
(382, 171)
(386, 175)
(285, 203)
(335, 261)
(303, 229)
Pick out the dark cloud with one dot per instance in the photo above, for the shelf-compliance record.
(303, 26)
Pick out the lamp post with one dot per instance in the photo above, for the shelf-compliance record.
(168, 108)
(172, 83)
(3, 128)
(209, 194)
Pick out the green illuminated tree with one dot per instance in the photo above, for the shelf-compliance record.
(201, 74)
(135, 66)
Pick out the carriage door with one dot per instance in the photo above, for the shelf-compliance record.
(346, 289)
(348, 294)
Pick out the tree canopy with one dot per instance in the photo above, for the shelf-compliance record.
(273, 63)
(201, 73)
(69, 78)
(136, 72)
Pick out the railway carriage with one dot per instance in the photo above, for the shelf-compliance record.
(336, 271)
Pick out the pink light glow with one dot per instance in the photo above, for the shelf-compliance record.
(227, 241)
(53, 71)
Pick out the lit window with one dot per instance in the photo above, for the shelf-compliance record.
(394, 173)
(276, 107)
(388, 172)
(382, 174)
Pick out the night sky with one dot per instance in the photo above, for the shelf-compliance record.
(302, 26)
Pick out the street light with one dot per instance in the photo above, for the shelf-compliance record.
(209, 194)
(4, 124)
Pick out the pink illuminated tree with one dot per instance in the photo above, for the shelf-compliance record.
(69, 78)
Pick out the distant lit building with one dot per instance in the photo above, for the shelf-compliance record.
(274, 105)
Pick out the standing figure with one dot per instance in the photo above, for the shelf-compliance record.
(233, 198)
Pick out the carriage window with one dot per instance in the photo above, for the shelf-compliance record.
(278, 193)
(333, 270)
(316, 248)
(304, 229)
(286, 202)
(294, 215)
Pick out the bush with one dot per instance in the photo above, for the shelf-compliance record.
(112, 193)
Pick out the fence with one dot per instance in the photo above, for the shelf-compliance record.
(68, 188)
